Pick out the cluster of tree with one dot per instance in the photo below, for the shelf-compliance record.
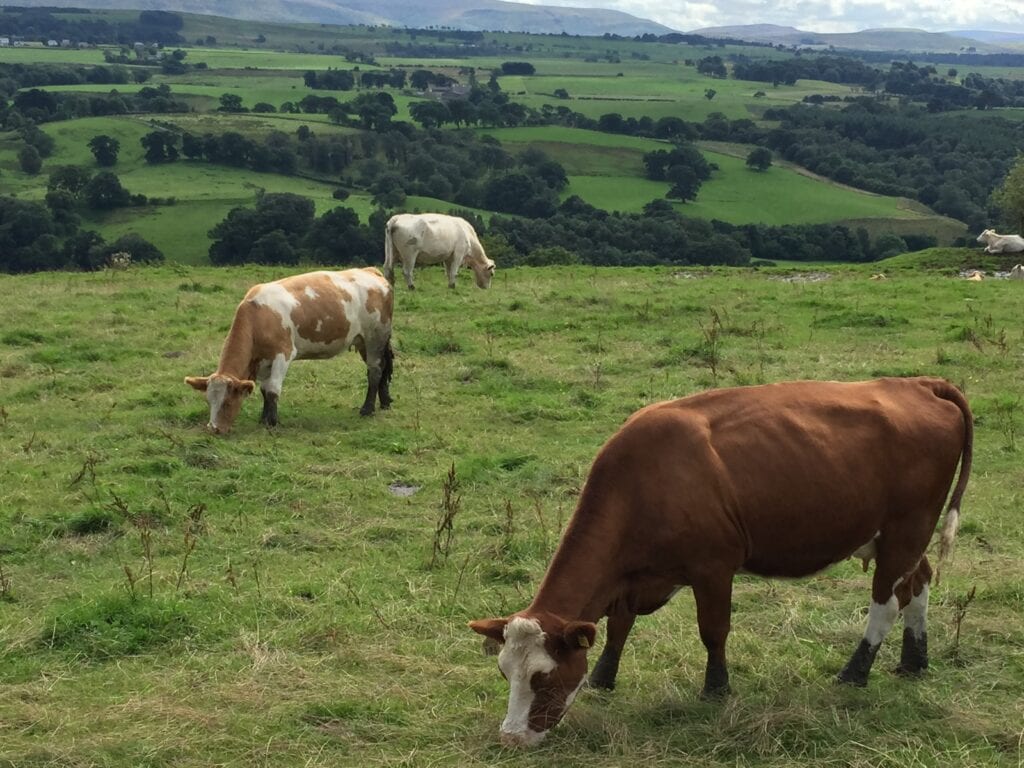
(282, 229)
(331, 80)
(830, 68)
(38, 106)
(345, 80)
(925, 84)
(906, 79)
(36, 237)
(580, 233)
(712, 66)
(947, 163)
(71, 188)
(517, 68)
(680, 38)
(16, 76)
(683, 166)
(79, 25)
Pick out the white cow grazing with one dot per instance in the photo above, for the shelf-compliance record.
(434, 238)
(1017, 273)
(995, 243)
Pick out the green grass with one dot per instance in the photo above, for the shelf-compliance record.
(308, 629)
(607, 171)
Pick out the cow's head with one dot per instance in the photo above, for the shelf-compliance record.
(544, 659)
(483, 271)
(225, 394)
(984, 236)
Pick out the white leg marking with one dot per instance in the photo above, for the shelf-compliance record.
(278, 369)
(880, 620)
(915, 615)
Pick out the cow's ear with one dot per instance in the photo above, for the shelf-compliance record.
(493, 629)
(198, 382)
(579, 634)
(245, 387)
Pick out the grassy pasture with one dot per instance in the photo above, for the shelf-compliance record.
(205, 193)
(307, 627)
(607, 171)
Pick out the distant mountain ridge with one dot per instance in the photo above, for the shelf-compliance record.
(493, 15)
(911, 40)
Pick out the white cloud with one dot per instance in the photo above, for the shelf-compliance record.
(821, 15)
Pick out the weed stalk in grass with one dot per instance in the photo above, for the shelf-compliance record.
(131, 578)
(3, 417)
(193, 527)
(445, 531)
(144, 525)
(1006, 417)
(508, 531)
(960, 605)
(229, 576)
(88, 469)
(5, 586)
(710, 350)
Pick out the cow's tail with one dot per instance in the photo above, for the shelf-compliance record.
(947, 391)
(389, 255)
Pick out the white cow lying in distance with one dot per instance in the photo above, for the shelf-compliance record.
(996, 243)
(1017, 273)
(434, 238)
(305, 317)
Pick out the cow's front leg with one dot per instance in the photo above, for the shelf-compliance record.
(269, 415)
(451, 269)
(607, 667)
(271, 377)
(713, 595)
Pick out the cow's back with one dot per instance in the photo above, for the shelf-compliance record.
(430, 237)
(795, 475)
(324, 312)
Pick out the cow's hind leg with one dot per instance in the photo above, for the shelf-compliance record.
(408, 265)
(914, 602)
(607, 667)
(378, 357)
(897, 560)
(713, 595)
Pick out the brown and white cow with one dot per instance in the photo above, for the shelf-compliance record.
(777, 480)
(434, 238)
(313, 316)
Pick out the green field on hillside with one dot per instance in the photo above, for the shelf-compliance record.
(607, 171)
(173, 598)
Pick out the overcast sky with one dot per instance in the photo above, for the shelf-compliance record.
(822, 15)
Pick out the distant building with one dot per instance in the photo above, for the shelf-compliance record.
(52, 43)
(5, 41)
(65, 43)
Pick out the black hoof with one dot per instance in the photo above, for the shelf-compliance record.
(602, 683)
(857, 668)
(715, 694)
(847, 678)
(386, 405)
(366, 411)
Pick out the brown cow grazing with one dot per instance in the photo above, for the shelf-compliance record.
(305, 317)
(777, 480)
